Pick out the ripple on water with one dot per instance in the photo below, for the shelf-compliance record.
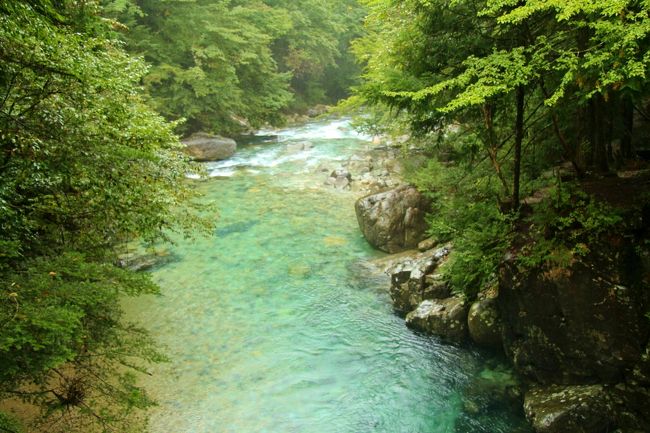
(271, 329)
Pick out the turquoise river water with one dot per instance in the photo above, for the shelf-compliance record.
(275, 325)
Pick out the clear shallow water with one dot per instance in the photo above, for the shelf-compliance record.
(272, 325)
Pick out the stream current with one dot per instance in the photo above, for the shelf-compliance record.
(273, 324)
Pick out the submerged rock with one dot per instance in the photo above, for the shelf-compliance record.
(393, 221)
(206, 147)
(299, 147)
(446, 318)
(144, 261)
(492, 389)
(570, 409)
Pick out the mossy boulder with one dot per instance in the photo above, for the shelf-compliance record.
(446, 318)
(484, 323)
(570, 409)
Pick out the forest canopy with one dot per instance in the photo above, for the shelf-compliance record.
(227, 66)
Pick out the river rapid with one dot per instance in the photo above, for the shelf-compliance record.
(274, 325)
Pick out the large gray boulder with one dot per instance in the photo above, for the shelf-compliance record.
(206, 147)
(570, 409)
(393, 221)
(446, 318)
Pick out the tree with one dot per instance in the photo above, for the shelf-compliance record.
(211, 60)
(315, 49)
(85, 166)
(519, 84)
(228, 66)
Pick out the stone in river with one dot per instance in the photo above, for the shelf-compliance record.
(206, 147)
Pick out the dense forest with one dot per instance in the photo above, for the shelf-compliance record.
(507, 104)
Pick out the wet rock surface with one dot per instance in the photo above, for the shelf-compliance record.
(394, 220)
(484, 323)
(579, 335)
(574, 409)
(413, 280)
(580, 324)
(446, 318)
(339, 179)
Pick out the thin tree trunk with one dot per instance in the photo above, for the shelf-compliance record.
(628, 127)
(598, 142)
(570, 153)
(492, 146)
(519, 138)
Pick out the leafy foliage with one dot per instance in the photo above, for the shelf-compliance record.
(64, 334)
(227, 66)
(315, 49)
(564, 226)
(85, 166)
(504, 90)
(464, 212)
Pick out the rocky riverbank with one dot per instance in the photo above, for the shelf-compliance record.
(576, 335)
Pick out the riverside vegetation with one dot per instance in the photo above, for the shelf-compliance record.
(528, 122)
(531, 119)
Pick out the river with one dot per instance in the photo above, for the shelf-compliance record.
(271, 325)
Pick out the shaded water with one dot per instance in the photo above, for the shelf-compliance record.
(272, 326)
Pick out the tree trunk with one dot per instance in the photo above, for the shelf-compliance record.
(492, 146)
(571, 152)
(628, 127)
(519, 138)
(597, 133)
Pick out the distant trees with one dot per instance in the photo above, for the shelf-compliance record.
(229, 65)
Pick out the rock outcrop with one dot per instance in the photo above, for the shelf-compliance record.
(446, 318)
(579, 334)
(579, 324)
(394, 220)
(413, 280)
(206, 147)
